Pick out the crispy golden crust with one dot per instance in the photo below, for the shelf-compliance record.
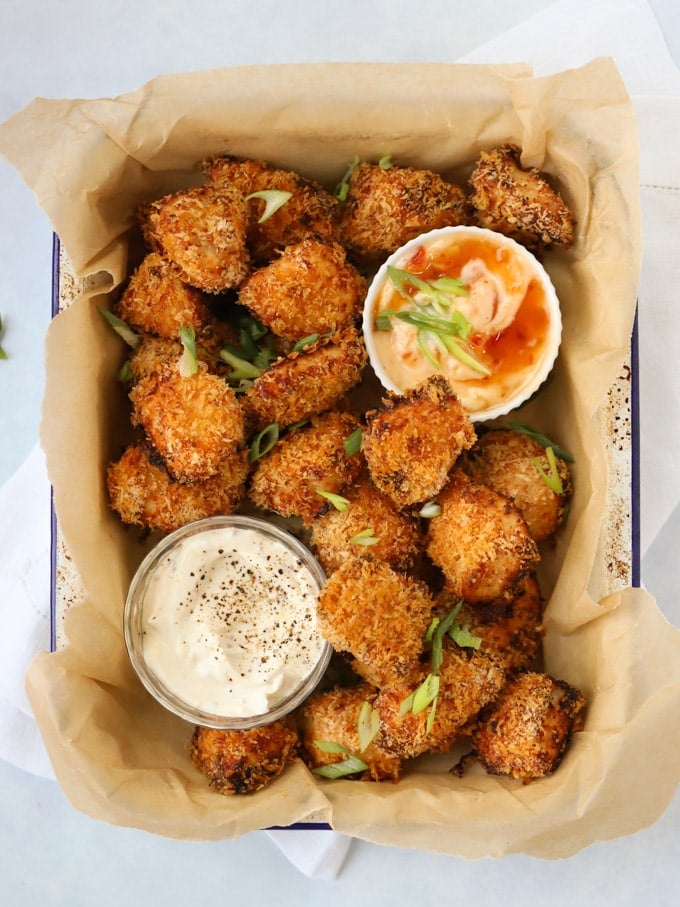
(480, 541)
(526, 731)
(510, 463)
(309, 289)
(397, 534)
(157, 301)
(311, 210)
(287, 480)
(240, 762)
(194, 422)
(519, 203)
(333, 717)
(203, 231)
(385, 208)
(412, 444)
(144, 495)
(468, 681)
(510, 630)
(377, 615)
(305, 383)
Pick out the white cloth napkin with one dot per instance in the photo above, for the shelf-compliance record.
(550, 41)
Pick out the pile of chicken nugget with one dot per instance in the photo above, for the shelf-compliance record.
(243, 376)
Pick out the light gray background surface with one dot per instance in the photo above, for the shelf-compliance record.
(50, 854)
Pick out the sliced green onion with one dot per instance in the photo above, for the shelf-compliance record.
(385, 162)
(447, 284)
(336, 500)
(425, 350)
(430, 718)
(454, 346)
(541, 438)
(366, 537)
(552, 479)
(125, 373)
(367, 725)
(442, 628)
(330, 746)
(121, 328)
(352, 765)
(425, 694)
(305, 341)
(263, 442)
(188, 364)
(430, 510)
(461, 635)
(240, 368)
(273, 200)
(352, 443)
(342, 188)
(383, 322)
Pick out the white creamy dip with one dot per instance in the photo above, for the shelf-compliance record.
(228, 621)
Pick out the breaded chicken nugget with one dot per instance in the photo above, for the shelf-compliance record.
(310, 211)
(480, 541)
(203, 231)
(377, 615)
(511, 630)
(194, 422)
(312, 459)
(512, 464)
(157, 301)
(384, 208)
(333, 717)
(517, 202)
(412, 444)
(240, 762)
(371, 526)
(143, 493)
(161, 356)
(525, 733)
(309, 289)
(468, 681)
(308, 382)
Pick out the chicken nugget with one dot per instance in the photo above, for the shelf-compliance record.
(143, 493)
(194, 422)
(480, 541)
(310, 211)
(468, 681)
(386, 207)
(511, 630)
(240, 762)
(310, 460)
(412, 444)
(371, 525)
(526, 731)
(309, 289)
(203, 231)
(514, 464)
(333, 717)
(519, 202)
(305, 383)
(377, 615)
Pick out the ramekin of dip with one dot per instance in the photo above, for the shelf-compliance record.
(470, 304)
(220, 622)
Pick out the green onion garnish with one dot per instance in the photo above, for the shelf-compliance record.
(342, 188)
(305, 341)
(351, 765)
(240, 368)
(336, 500)
(125, 373)
(461, 635)
(366, 537)
(541, 438)
(188, 364)
(121, 328)
(430, 510)
(367, 725)
(273, 200)
(552, 478)
(425, 694)
(385, 162)
(263, 442)
(353, 442)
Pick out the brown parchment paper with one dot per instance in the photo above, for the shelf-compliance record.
(122, 758)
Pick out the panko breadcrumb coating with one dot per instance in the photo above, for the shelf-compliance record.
(517, 202)
(287, 480)
(333, 717)
(480, 541)
(143, 493)
(526, 731)
(240, 762)
(510, 462)
(193, 421)
(512, 630)
(386, 207)
(308, 382)
(203, 231)
(309, 289)
(310, 211)
(468, 681)
(377, 615)
(395, 537)
(413, 442)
